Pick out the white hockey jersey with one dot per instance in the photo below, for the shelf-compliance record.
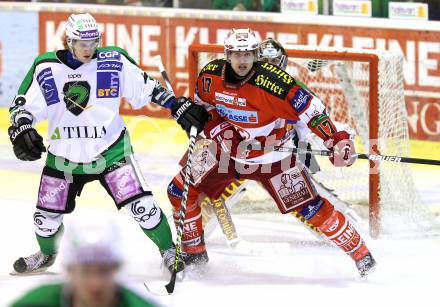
(82, 104)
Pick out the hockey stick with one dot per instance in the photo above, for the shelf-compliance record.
(228, 198)
(192, 141)
(163, 72)
(395, 159)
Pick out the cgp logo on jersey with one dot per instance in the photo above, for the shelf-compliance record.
(240, 116)
(109, 55)
(48, 87)
(300, 100)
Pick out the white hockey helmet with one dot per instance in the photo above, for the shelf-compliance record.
(241, 40)
(82, 27)
(91, 243)
(273, 52)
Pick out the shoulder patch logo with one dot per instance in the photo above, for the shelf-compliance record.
(300, 100)
(48, 87)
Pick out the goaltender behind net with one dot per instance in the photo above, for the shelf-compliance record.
(253, 101)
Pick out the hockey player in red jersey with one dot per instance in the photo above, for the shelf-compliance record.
(250, 103)
(217, 210)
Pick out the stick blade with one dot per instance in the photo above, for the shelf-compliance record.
(157, 288)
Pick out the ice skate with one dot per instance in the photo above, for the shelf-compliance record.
(366, 265)
(168, 257)
(195, 258)
(34, 263)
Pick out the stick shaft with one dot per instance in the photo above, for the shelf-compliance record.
(192, 141)
(395, 159)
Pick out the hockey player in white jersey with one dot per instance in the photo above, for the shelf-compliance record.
(78, 90)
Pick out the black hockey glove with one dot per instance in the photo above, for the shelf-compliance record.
(188, 114)
(28, 144)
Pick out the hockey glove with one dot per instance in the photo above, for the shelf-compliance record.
(188, 114)
(27, 143)
(342, 148)
(225, 135)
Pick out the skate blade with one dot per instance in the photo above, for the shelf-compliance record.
(368, 273)
(36, 272)
(156, 288)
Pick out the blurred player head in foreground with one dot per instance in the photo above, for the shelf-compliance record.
(241, 50)
(272, 51)
(82, 36)
(92, 256)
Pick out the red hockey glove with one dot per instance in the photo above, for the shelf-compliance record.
(225, 135)
(342, 148)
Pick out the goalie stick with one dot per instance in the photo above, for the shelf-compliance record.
(192, 140)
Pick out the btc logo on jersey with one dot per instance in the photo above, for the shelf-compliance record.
(107, 84)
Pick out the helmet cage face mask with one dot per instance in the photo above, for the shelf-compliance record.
(272, 52)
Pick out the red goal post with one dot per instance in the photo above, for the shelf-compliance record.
(359, 78)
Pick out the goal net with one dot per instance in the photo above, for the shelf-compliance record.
(363, 91)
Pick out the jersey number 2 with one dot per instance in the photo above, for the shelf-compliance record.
(206, 84)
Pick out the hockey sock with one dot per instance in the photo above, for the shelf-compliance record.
(337, 228)
(49, 245)
(161, 234)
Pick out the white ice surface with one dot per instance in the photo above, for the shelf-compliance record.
(288, 265)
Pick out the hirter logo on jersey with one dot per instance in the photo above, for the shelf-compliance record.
(239, 116)
(300, 100)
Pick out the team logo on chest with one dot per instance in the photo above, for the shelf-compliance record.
(76, 96)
